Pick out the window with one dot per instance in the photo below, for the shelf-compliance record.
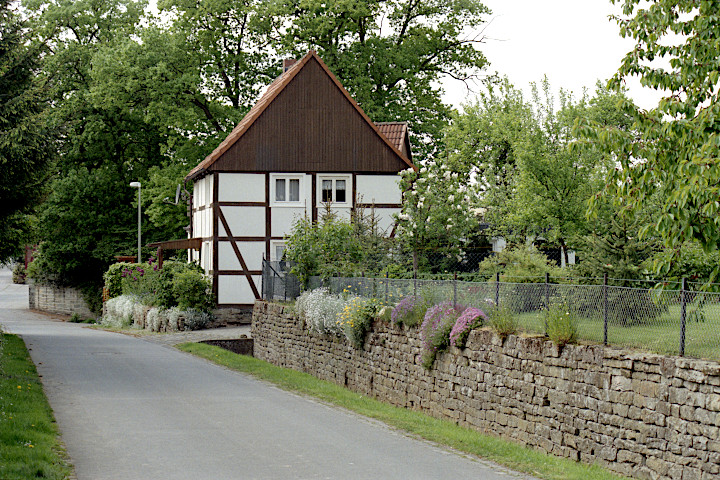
(286, 189)
(277, 250)
(334, 189)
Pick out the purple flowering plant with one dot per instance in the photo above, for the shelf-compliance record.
(409, 311)
(468, 320)
(435, 330)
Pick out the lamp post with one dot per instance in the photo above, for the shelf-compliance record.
(139, 187)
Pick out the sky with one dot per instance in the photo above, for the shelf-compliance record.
(573, 42)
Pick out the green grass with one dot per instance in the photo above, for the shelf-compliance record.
(29, 442)
(660, 335)
(442, 432)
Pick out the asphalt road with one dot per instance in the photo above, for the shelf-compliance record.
(131, 409)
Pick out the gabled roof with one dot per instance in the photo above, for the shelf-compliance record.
(272, 92)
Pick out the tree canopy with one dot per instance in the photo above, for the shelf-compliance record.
(676, 145)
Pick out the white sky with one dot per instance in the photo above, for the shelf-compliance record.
(571, 41)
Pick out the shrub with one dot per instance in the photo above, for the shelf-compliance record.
(113, 278)
(468, 320)
(197, 319)
(19, 274)
(435, 330)
(192, 290)
(561, 323)
(409, 311)
(503, 321)
(356, 317)
(320, 310)
(119, 311)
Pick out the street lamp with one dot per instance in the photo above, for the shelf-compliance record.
(139, 187)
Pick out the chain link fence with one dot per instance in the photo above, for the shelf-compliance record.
(671, 320)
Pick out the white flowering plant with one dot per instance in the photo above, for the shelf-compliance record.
(320, 310)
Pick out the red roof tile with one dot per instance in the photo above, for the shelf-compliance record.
(395, 132)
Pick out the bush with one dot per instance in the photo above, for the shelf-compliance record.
(435, 330)
(197, 319)
(119, 311)
(192, 290)
(503, 321)
(356, 318)
(19, 274)
(468, 320)
(409, 311)
(113, 278)
(561, 323)
(320, 311)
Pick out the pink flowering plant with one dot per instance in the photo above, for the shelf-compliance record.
(409, 311)
(435, 330)
(468, 320)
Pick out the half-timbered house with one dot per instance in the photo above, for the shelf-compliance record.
(305, 144)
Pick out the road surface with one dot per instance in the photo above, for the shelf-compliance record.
(128, 409)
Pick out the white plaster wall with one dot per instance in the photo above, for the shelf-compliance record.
(283, 218)
(385, 218)
(236, 289)
(252, 253)
(378, 189)
(241, 187)
(498, 244)
(206, 256)
(244, 221)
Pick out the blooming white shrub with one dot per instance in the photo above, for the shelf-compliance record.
(174, 319)
(320, 310)
(119, 311)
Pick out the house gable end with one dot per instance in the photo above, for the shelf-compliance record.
(310, 125)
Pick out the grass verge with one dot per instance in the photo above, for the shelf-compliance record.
(444, 432)
(29, 441)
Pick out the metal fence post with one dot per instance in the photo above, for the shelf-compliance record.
(414, 282)
(387, 284)
(455, 290)
(497, 289)
(605, 309)
(547, 298)
(683, 306)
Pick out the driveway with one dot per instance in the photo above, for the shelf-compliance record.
(129, 408)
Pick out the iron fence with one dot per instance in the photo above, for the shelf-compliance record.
(277, 281)
(674, 319)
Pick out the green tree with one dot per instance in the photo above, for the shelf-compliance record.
(437, 214)
(676, 145)
(25, 142)
(390, 55)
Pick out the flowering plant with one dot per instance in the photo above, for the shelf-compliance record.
(435, 330)
(356, 317)
(409, 311)
(469, 320)
(320, 311)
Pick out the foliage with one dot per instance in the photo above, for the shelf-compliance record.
(688, 260)
(390, 55)
(332, 246)
(19, 273)
(191, 289)
(561, 321)
(435, 330)
(410, 311)
(320, 311)
(503, 321)
(119, 311)
(197, 319)
(437, 214)
(469, 320)
(356, 319)
(29, 437)
(673, 147)
(25, 138)
(520, 263)
(177, 284)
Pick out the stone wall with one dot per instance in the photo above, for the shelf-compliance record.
(52, 299)
(640, 415)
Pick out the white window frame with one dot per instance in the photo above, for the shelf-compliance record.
(335, 177)
(287, 177)
(273, 249)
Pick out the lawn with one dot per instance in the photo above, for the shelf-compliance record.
(443, 432)
(660, 335)
(29, 441)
